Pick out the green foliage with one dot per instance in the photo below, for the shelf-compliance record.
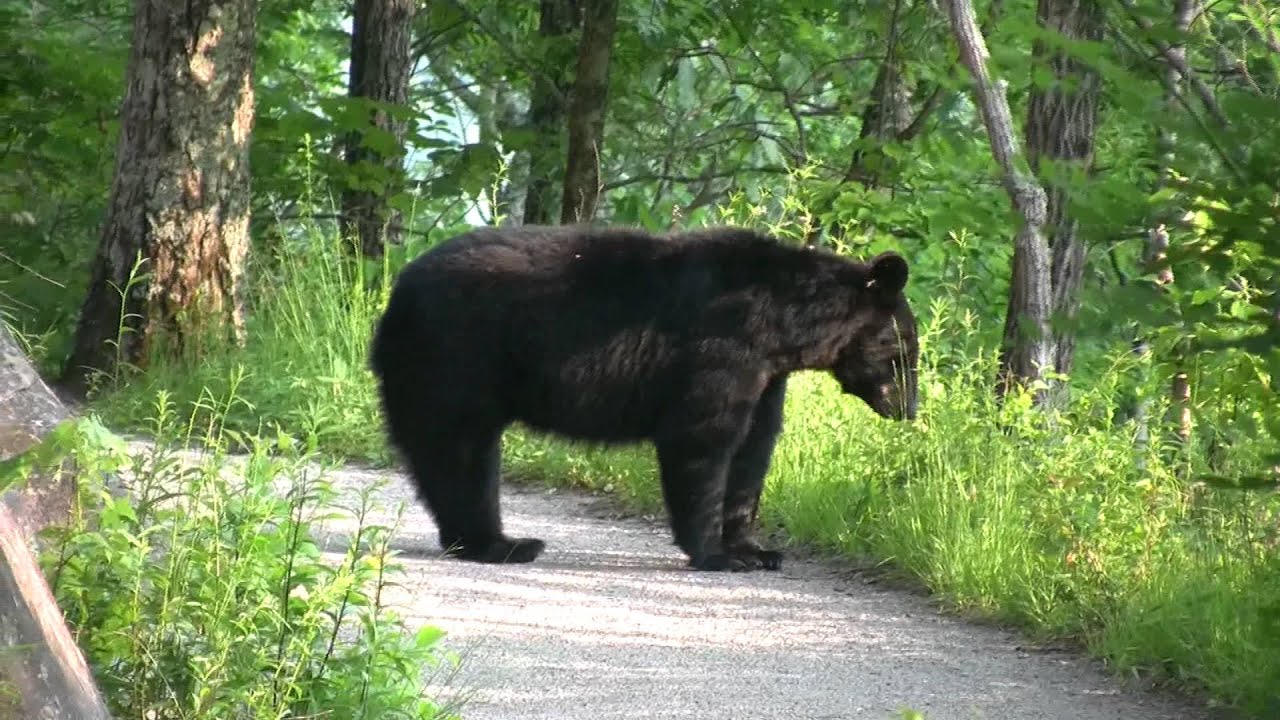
(304, 367)
(61, 76)
(756, 115)
(1058, 522)
(205, 593)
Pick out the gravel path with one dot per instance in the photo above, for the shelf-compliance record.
(608, 623)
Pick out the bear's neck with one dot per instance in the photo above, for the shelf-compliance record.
(808, 335)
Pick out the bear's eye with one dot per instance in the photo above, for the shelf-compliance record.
(889, 341)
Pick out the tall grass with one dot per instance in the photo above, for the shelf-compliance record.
(303, 367)
(1047, 521)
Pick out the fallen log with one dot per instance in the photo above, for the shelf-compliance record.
(29, 410)
(42, 672)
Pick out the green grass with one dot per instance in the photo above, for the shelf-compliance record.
(1046, 522)
(303, 368)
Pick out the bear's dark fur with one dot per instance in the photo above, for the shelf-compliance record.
(617, 335)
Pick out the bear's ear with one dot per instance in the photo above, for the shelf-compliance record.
(887, 274)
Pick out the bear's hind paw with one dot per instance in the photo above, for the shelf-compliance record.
(505, 551)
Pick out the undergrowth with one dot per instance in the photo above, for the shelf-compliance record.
(205, 591)
(1057, 522)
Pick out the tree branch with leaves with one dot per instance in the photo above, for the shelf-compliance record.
(1028, 343)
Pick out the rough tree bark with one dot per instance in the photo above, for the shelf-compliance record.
(179, 199)
(1061, 124)
(42, 672)
(587, 112)
(1028, 343)
(380, 68)
(547, 105)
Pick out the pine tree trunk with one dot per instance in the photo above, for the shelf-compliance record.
(547, 106)
(381, 31)
(1028, 345)
(587, 112)
(1061, 124)
(179, 199)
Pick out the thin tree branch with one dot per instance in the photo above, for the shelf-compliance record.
(687, 179)
(1179, 63)
(1265, 33)
(802, 151)
(1205, 131)
(926, 110)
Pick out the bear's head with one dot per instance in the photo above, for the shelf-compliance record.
(879, 362)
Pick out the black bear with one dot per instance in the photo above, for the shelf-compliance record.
(618, 335)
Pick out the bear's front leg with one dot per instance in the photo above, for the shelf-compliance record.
(693, 481)
(695, 445)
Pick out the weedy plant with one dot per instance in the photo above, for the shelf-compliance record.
(206, 590)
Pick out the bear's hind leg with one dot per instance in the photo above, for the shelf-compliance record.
(745, 480)
(457, 476)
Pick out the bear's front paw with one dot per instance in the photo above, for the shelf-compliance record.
(756, 557)
(720, 562)
(522, 550)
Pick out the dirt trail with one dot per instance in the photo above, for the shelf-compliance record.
(609, 624)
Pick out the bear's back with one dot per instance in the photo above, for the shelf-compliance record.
(595, 261)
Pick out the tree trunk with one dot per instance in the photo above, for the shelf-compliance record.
(1061, 124)
(179, 199)
(1028, 344)
(587, 112)
(887, 113)
(547, 104)
(380, 68)
(42, 673)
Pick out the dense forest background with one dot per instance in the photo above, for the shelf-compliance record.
(202, 207)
